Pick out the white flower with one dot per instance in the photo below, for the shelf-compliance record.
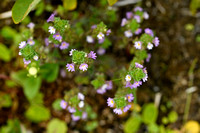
(89, 39)
(81, 96)
(149, 46)
(32, 71)
(71, 52)
(35, 57)
(128, 33)
(52, 30)
(81, 104)
(22, 44)
(100, 36)
(128, 78)
(146, 15)
(20, 53)
(138, 45)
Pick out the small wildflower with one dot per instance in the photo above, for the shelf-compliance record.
(149, 31)
(71, 52)
(138, 45)
(148, 57)
(101, 51)
(22, 44)
(63, 73)
(156, 41)
(137, 84)
(137, 18)
(75, 118)
(110, 102)
(128, 33)
(100, 36)
(128, 84)
(109, 85)
(70, 67)
(130, 97)
(137, 65)
(124, 22)
(83, 67)
(146, 75)
(46, 40)
(81, 104)
(117, 111)
(108, 32)
(30, 42)
(93, 26)
(58, 37)
(51, 18)
(100, 41)
(32, 71)
(64, 45)
(31, 25)
(81, 96)
(128, 78)
(52, 30)
(149, 46)
(71, 109)
(89, 39)
(20, 53)
(26, 61)
(129, 15)
(35, 57)
(126, 108)
(138, 9)
(146, 15)
(101, 91)
(63, 104)
(92, 55)
(84, 115)
(138, 31)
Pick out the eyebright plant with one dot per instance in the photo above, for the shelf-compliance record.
(64, 46)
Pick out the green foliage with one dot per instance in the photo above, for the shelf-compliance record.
(13, 126)
(78, 57)
(30, 85)
(56, 126)
(90, 126)
(10, 34)
(49, 71)
(22, 8)
(141, 54)
(112, 2)
(120, 102)
(98, 82)
(106, 43)
(198, 38)
(150, 113)
(137, 74)
(56, 104)
(133, 25)
(132, 124)
(70, 4)
(37, 113)
(74, 101)
(61, 25)
(101, 27)
(5, 100)
(172, 116)
(90, 112)
(194, 5)
(5, 53)
(10, 83)
(153, 128)
(28, 52)
(82, 80)
(145, 39)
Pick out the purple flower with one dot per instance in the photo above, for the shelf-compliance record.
(63, 73)
(108, 32)
(56, 45)
(75, 118)
(137, 65)
(93, 26)
(51, 18)
(148, 57)
(71, 52)
(146, 75)
(83, 67)
(22, 44)
(110, 102)
(109, 85)
(124, 21)
(70, 67)
(130, 97)
(63, 104)
(137, 18)
(149, 31)
(46, 40)
(64, 45)
(71, 109)
(129, 15)
(57, 36)
(30, 42)
(89, 39)
(101, 91)
(84, 115)
(31, 25)
(146, 15)
(138, 9)
(81, 96)
(126, 108)
(92, 55)
(128, 84)
(101, 51)
(100, 41)
(128, 33)
(117, 111)
(137, 84)
(26, 61)
(156, 41)
(138, 31)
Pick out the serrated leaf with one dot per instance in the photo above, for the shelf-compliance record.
(70, 4)
(37, 113)
(132, 124)
(22, 8)
(5, 53)
(149, 114)
(112, 2)
(57, 126)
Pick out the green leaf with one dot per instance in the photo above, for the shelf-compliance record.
(49, 72)
(56, 104)
(56, 126)
(90, 126)
(28, 52)
(74, 101)
(5, 100)
(70, 4)
(145, 39)
(30, 85)
(133, 25)
(120, 102)
(112, 2)
(37, 113)
(194, 5)
(149, 114)
(5, 53)
(13, 126)
(61, 25)
(22, 8)
(137, 74)
(172, 116)
(132, 124)
(153, 128)
(78, 57)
